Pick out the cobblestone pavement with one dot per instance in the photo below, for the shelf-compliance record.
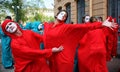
(113, 66)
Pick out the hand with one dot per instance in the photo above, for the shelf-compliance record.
(115, 25)
(109, 24)
(60, 48)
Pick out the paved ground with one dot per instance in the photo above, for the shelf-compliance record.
(113, 66)
(5, 70)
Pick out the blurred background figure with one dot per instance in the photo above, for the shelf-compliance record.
(7, 59)
(87, 19)
(99, 19)
(93, 19)
(92, 50)
(41, 28)
(35, 25)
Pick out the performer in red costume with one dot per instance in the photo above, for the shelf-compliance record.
(92, 51)
(25, 49)
(112, 41)
(67, 35)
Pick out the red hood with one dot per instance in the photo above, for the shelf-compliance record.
(4, 25)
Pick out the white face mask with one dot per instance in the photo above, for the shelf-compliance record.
(60, 15)
(87, 19)
(40, 27)
(11, 27)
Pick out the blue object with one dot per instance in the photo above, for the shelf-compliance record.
(35, 25)
(7, 60)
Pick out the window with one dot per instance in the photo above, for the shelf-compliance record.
(81, 10)
(68, 9)
(114, 9)
(119, 11)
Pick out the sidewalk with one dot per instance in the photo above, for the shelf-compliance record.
(114, 65)
(5, 70)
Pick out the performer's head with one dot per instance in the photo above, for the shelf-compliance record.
(87, 18)
(8, 26)
(11, 28)
(99, 19)
(8, 17)
(93, 19)
(62, 15)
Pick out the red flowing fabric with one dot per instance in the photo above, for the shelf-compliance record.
(27, 54)
(68, 36)
(92, 52)
(112, 41)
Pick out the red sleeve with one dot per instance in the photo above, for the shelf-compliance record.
(24, 51)
(81, 29)
(87, 26)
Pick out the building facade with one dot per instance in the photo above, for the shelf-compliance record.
(78, 8)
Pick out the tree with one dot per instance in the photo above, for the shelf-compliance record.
(41, 17)
(20, 7)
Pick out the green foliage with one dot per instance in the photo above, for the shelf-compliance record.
(41, 17)
(22, 8)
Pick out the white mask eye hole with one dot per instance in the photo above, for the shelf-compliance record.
(8, 25)
(87, 18)
(62, 13)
